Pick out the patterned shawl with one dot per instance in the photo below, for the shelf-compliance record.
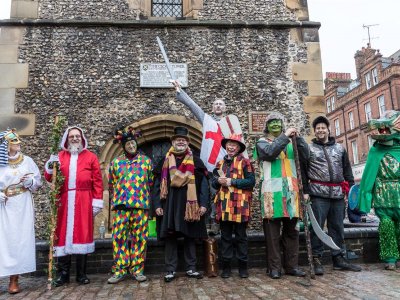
(181, 176)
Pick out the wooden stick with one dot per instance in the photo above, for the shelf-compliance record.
(303, 208)
(53, 220)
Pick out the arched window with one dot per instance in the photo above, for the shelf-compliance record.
(166, 8)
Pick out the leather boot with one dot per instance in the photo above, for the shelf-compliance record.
(13, 286)
(63, 266)
(226, 269)
(81, 277)
(243, 272)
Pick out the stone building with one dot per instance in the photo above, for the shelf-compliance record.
(350, 104)
(81, 59)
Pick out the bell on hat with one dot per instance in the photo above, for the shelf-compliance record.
(234, 137)
(122, 135)
(181, 131)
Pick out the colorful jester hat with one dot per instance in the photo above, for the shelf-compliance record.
(122, 135)
(386, 128)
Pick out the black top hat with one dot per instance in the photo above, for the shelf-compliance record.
(181, 131)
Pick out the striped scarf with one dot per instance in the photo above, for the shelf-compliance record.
(3, 149)
(181, 176)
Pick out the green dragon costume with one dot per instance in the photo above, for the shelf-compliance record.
(380, 184)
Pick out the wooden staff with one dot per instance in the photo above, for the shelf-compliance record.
(56, 182)
(303, 208)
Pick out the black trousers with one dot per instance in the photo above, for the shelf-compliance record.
(64, 263)
(239, 229)
(171, 253)
(332, 211)
(289, 240)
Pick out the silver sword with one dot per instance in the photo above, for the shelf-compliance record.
(326, 239)
(167, 63)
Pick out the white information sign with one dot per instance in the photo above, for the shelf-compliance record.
(358, 171)
(157, 76)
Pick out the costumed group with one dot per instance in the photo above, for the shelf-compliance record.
(179, 189)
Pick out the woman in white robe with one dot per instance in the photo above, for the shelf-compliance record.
(19, 177)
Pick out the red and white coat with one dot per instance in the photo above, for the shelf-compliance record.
(82, 190)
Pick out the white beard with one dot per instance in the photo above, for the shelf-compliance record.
(75, 149)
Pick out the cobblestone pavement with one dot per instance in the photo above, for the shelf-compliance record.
(372, 283)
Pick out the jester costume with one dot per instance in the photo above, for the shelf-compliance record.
(233, 204)
(130, 180)
(380, 184)
(279, 196)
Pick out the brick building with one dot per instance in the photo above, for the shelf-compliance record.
(350, 104)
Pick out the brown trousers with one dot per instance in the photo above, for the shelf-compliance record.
(289, 240)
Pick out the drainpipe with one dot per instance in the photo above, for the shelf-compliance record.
(345, 130)
(390, 93)
(358, 113)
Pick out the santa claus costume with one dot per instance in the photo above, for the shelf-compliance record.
(80, 200)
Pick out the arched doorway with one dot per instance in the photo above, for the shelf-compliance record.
(155, 142)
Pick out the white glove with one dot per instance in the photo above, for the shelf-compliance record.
(27, 182)
(53, 158)
(3, 197)
(96, 210)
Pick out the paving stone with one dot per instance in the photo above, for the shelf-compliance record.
(370, 284)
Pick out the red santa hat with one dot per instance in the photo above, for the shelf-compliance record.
(64, 141)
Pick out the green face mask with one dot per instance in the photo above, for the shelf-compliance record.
(275, 127)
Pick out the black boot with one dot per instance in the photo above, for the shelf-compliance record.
(81, 277)
(243, 272)
(226, 269)
(63, 266)
(340, 263)
(318, 268)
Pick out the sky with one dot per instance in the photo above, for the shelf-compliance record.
(342, 33)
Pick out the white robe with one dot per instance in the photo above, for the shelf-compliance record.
(17, 231)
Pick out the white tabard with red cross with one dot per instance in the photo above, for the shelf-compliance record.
(213, 133)
(211, 149)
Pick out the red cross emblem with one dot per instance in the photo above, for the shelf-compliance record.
(217, 138)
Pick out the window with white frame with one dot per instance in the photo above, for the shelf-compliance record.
(370, 141)
(381, 104)
(368, 113)
(375, 76)
(333, 103)
(368, 80)
(355, 152)
(351, 120)
(328, 105)
(337, 127)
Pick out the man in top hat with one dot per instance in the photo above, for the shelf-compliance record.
(130, 180)
(326, 182)
(81, 199)
(234, 181)
(279, 195)
(19, 177)
(180, 199)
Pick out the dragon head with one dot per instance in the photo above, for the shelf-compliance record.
(387, 128)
